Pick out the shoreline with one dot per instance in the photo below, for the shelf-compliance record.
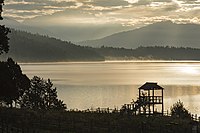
(113, 61)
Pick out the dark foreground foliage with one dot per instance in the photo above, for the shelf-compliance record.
(28, 121)
(41, 96)
(13, 82)
(178, 110)
(17, 89)
(4, 47)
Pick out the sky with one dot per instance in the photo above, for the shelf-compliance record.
(123, 12)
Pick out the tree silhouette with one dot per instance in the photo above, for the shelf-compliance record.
(41, 96)
(1, 9)
(4, 47)
(12, 82)
(178, 110)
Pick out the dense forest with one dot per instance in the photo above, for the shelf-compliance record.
(27, 47)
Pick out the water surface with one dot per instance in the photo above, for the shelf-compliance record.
(85, 85)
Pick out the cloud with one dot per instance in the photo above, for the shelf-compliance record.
(26, 9)
(108, 3)
(132, 1)
(125, 12)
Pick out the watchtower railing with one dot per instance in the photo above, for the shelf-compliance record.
(152, 99)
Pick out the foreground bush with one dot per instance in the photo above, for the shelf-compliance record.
(77, 122)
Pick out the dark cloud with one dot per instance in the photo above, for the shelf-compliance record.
(63, 4)
(34, 4)
(108, 3)
(27, 6)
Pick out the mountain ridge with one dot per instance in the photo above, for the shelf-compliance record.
(162, 34)
(27, 47)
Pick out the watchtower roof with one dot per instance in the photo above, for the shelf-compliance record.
(151, 86)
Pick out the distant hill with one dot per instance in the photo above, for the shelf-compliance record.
(75, 32)
(160, 34)
(67, 32)
(8, 22)
(27, 47)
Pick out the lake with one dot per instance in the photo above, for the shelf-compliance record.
(84, 85)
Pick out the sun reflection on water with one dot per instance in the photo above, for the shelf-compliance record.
(109, 84)
(188, 69)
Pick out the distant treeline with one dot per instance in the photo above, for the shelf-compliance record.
(27, 47)
(152, 52)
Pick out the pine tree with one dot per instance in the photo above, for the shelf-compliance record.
(42, 96)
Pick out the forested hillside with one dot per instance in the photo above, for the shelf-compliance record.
(26, 47)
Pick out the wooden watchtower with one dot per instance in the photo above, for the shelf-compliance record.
(151, 99)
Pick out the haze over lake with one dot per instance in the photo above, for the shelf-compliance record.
(84, 85)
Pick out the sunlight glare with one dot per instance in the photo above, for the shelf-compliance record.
(189, 70)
